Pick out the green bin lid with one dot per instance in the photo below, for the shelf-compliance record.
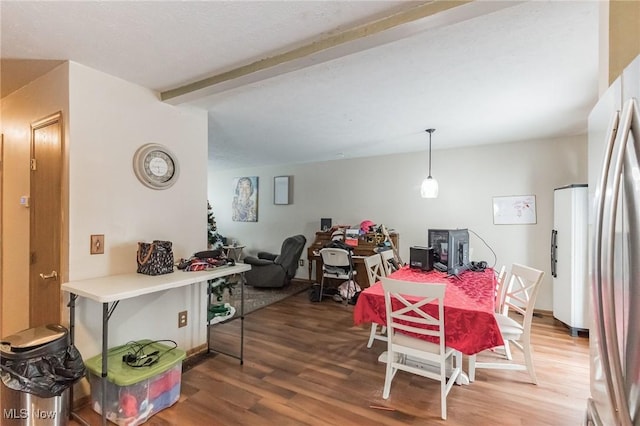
(121, 374)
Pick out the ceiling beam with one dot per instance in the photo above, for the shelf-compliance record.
(423, 17)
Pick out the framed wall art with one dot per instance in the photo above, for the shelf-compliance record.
(282, 193)
(245, 199)
(514, 210)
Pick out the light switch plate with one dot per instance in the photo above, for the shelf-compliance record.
(97, 244)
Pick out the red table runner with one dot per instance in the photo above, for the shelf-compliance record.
(469, 303)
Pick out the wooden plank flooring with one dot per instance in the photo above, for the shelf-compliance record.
(307, 364)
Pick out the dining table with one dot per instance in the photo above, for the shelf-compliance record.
(469, 305)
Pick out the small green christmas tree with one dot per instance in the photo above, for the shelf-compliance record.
(217, 286)
(214, 240)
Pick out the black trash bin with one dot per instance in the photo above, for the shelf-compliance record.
(38, 366)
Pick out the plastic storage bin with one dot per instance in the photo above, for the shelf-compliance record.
(134, 394)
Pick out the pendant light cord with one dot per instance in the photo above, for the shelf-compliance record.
(430, 131)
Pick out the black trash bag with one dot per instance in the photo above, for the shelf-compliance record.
(45, 376)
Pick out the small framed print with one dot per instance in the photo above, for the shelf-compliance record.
(514, 210)
(282, 193)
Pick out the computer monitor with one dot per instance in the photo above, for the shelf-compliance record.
(458, 260)
(439, 241)
(451, 248)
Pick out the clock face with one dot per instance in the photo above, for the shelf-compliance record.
(159, 166)
(155, 166)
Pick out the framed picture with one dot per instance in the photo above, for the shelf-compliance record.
(514, 210)
(245, 199)
(282, 193)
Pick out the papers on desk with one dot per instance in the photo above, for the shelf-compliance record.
(351, 237)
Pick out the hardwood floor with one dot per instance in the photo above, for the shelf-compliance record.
(307, 364)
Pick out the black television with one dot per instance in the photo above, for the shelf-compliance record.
(450, 248)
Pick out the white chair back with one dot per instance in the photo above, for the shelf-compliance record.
(375, 271)
(387, 256)
(409, 314)
(336, 264)
(374, 268)
(335, 257)
(418, 309)
(500, 289)
(519, 294)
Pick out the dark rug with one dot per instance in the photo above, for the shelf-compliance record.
(256, 298)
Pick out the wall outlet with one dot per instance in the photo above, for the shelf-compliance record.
(301, 262)
(182, 319)
(97, 244)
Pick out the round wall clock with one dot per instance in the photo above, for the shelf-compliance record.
(155, 166)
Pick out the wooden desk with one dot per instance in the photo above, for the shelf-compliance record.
(366, 247)
(112, 289)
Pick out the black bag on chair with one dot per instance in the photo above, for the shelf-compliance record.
(155, 258)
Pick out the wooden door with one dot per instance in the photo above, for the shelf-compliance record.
(1, 222)
(45, 221)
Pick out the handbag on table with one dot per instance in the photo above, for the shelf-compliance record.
(155, 258)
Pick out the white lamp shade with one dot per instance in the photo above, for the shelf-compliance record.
(429, 188)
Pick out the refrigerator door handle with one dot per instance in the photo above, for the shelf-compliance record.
(610, 337)
(554, 252)
(600, 298)
(632, 337)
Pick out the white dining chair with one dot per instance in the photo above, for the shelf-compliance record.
(501, 278)
(387, 261)
(500, 281)
(375, 271)
(520, 295)
(407, 312)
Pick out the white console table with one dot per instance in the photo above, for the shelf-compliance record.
(114, 288)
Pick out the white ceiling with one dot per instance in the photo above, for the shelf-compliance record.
(481, 73)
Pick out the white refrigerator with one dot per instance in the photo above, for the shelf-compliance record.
(569, 257)
(614, 258)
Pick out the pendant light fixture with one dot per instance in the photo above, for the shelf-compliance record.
(429, 188)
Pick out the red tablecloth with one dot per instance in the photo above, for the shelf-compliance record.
(469, 302)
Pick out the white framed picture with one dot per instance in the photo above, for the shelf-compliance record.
(514, 210)
(282, 190)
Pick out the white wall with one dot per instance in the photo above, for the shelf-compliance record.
(109, 119)
(105, 120)
(386, 190)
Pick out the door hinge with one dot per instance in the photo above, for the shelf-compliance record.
(33, 257)
(33, 164)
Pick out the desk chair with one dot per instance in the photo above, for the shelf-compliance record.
(520, 295)
(337, 264)
(410, 314)
(375, 271)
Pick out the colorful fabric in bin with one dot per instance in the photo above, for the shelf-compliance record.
(166, 399)
(165, 383)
